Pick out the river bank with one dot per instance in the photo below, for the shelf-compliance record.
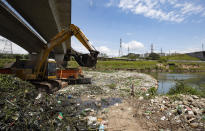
(146, 66)
(118, 100)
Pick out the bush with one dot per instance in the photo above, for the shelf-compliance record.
(154, 56)
(152, 91)
(163, 60)
(181, 88)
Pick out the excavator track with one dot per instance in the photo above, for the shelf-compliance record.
(48, 86)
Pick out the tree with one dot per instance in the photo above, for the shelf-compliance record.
(103, 55)
(154, 56)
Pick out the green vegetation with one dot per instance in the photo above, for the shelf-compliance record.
(112, 86)
(131, 56)
(182, 88)
(13, 56)
(145, 65)
(5, 61)
(163, 60)
(181, 57)
(126, 64)
(153, 56)
(8, 58)
(121, 64)
(152, 91)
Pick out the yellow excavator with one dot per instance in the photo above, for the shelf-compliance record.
(45, 72)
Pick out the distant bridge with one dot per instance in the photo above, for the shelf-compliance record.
(43, 20)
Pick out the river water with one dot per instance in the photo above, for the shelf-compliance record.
(168, 80)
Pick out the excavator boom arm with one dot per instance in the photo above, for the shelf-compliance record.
(82, 59)
(80, 36)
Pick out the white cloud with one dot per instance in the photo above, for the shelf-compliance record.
(133, 45)
(163, 10)
(108, 51)
(91, 3)
(111, 3)
(102, 49)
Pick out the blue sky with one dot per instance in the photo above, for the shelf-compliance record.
(173, 25)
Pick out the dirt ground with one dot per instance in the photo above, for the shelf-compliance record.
(121, 118)
(110, 98)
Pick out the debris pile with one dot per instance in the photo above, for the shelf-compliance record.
(76, 107)
(185, 112)
(22, 108)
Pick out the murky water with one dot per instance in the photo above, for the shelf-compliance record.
(168, 80)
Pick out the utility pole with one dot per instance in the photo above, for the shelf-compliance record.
(128, 49)
(202, 47)
(152, 48)
(161, 51)
(7, 47)
(120, 50)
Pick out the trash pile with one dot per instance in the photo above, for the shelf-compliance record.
(73, 108)
(185, 112)
(23, 108)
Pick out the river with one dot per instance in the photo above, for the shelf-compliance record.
(168, 80)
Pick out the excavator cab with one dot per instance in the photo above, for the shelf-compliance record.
(51, 70)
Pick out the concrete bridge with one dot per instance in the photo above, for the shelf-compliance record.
(32, 23)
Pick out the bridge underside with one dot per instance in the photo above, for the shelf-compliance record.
(47, 17)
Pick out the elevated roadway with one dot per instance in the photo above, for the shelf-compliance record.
(47, 17)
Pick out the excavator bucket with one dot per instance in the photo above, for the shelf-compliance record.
(84, 60)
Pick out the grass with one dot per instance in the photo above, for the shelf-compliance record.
(112, 86)
(181, 57)
(107, 66)
(126, 64)
(121, 64)
(182, 88)
(5, 61)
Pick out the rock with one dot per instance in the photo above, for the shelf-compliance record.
(194, 125)
(178, 121)
(195, 97)
(152, 100)
(91, 120)
(185, 102)
(190, 112)
(163, 118)
(190, 99)
(169, 114)
(140, 98)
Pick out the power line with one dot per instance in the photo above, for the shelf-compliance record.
(7, 47)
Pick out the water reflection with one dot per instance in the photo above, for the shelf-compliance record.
(168, 80)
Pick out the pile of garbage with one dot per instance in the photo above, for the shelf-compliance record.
(72, 108)
(22, 107)
(185, 112)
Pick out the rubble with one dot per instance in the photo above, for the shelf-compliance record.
(180, 111)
